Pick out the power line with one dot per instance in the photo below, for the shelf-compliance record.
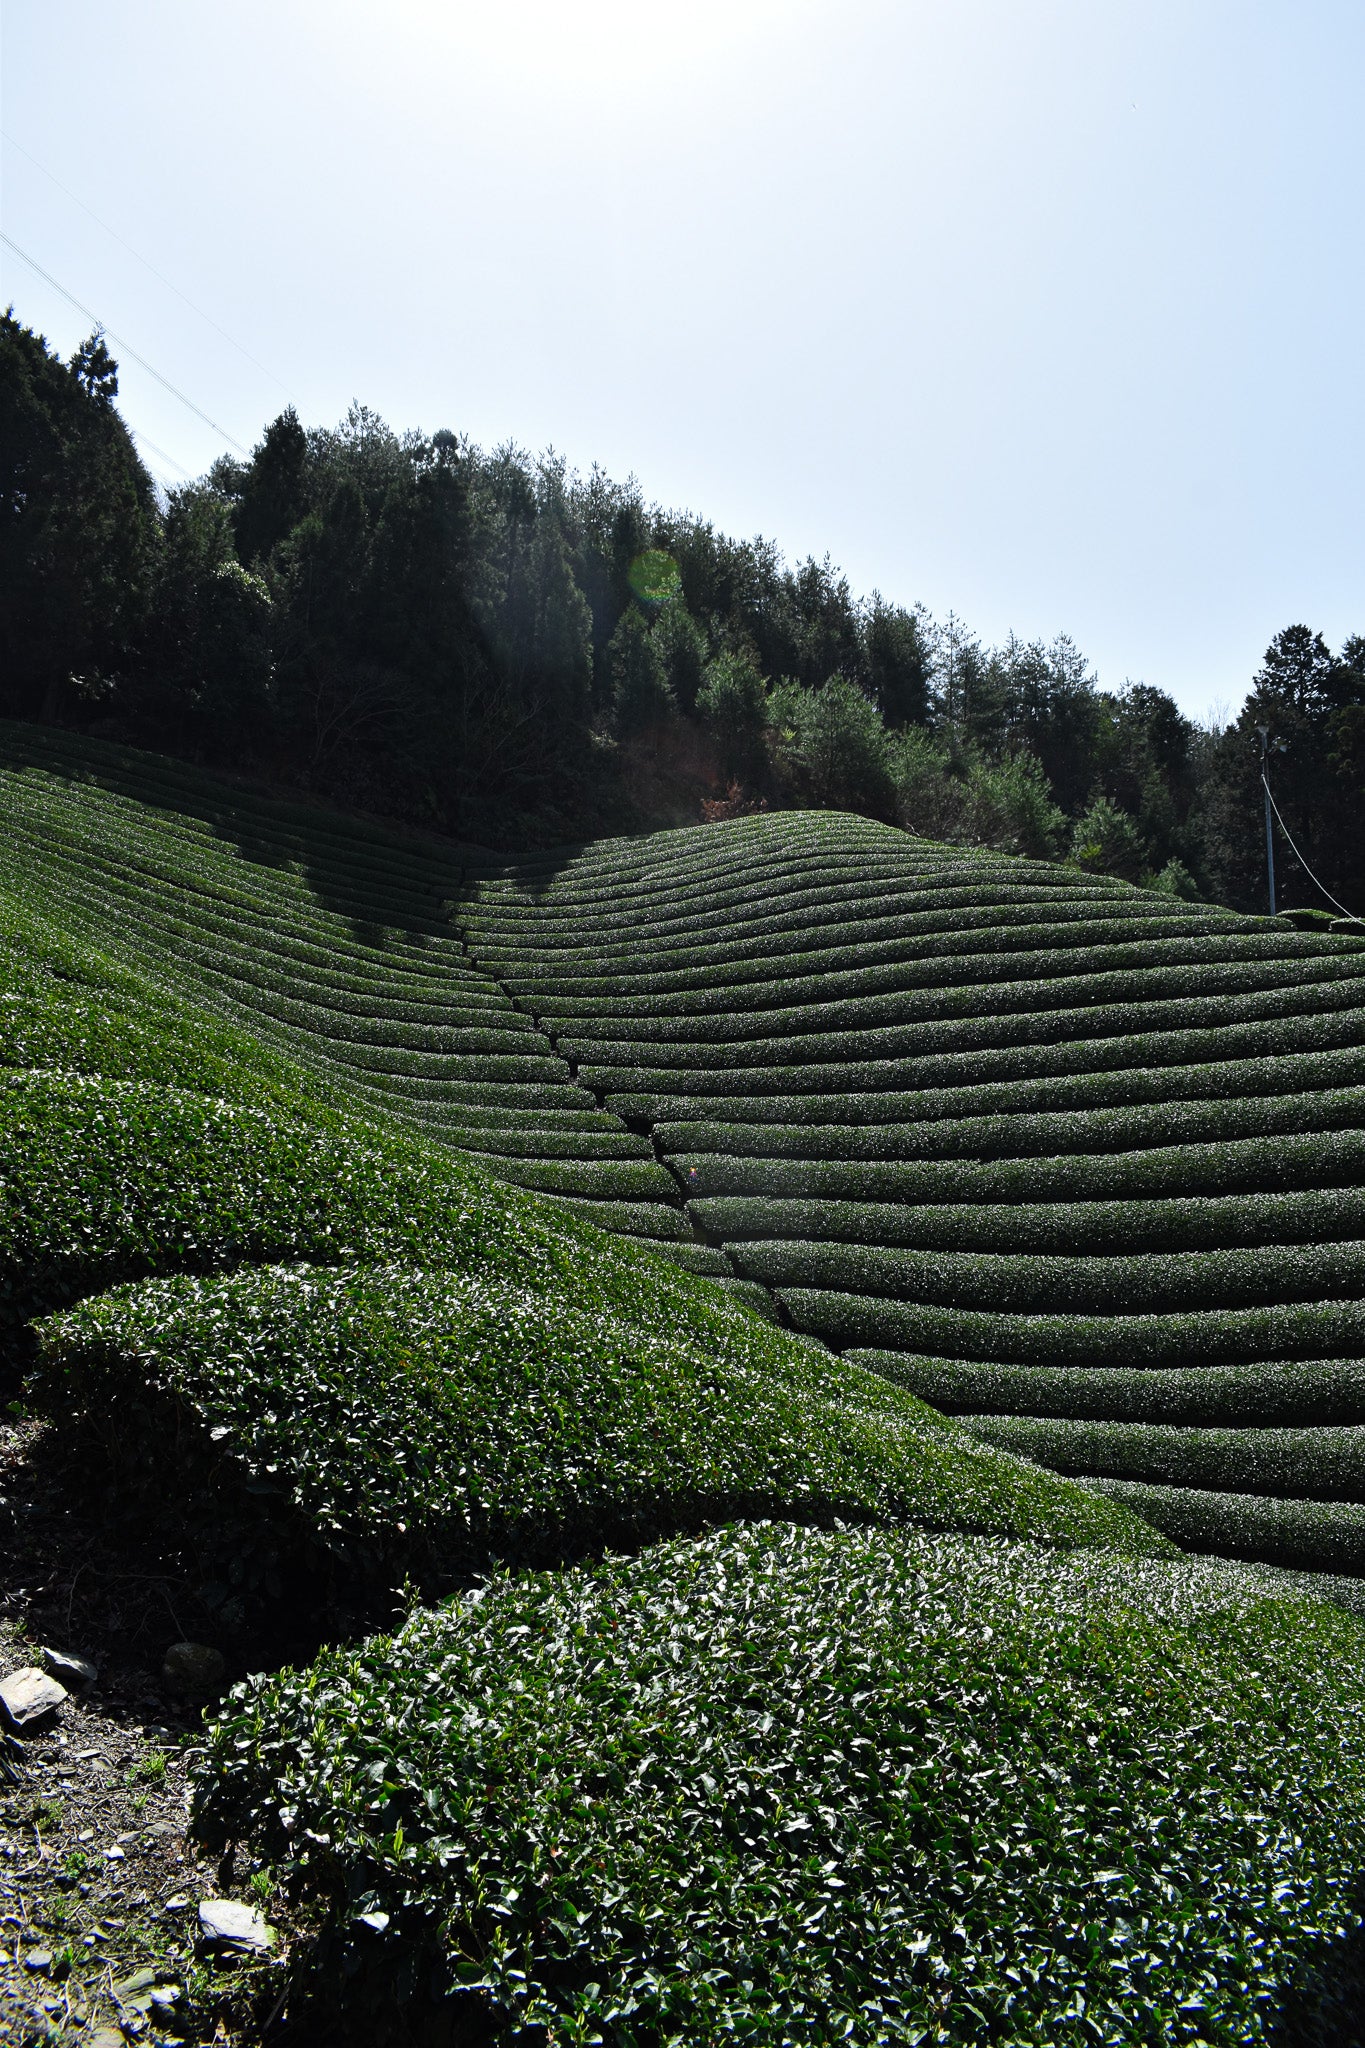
(1302, 862)
(146, 262)
(122, 345)
(145, 441)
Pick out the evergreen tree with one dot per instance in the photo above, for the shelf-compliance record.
(79, 530)
(643, 698)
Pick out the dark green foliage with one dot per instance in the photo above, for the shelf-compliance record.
(1322, 1463)
(1299, 1535)
(420, 1423)
(832, 744)
(78, 530)
(733, 705)
(1274, 1393)
(794, 1783)
(1039, 1283)
(1186, 1225)
(790, 1786)
(642, 693)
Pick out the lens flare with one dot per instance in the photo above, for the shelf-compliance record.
(654, 577)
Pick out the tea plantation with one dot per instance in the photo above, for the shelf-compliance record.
(799, 1648)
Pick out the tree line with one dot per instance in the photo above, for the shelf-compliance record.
(493, 646)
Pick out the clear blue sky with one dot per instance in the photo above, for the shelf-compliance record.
(1047, 314)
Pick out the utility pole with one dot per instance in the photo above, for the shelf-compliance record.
(1264, 731)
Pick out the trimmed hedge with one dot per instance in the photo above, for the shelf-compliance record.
(975, 971)
(859, 1093)
(1265, 1393)
(1030, 1282)
(722, 942)
(1195, 1223)
(1331, 1329)
(1086, 1033)
(1322, 1031)
(917, 998)
(400, 1421)
(1248, 1165)
(1004, 1137)
(1302, 1535)
(1321, 1463)
(791, 1787)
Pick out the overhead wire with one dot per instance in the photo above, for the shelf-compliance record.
(1299, 857)
(145, 441)
(125, 347)
(160, 275)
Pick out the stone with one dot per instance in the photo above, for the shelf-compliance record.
(132, 1987)
(38, 1960)
(228, 1923)
(193, 1667)
(106, 2037)
(29, 1695)
(74, 1672)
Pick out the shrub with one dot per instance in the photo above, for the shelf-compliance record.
(421, 1423)
(793, 1786)
(1322, 1463)
(1299, 1535)
(1266, 1393)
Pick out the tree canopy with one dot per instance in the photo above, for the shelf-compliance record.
(475, 641)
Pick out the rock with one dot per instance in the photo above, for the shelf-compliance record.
(132, 1987)
(193, 1667)
(74, 1672)
(228, 1923)
(106, 2037)
(39, 1960)
(30, 1695)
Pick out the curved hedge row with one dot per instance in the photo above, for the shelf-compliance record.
(849, 1093)
(1191, 1223)
(1159, 1126)
(793, 1787)
(1265, 1393)
(1315, 1159)
(400, 1421)
(1300, 1535)
(1325, 1463)
(1317, 1329)
(1040, 1282)
(344, 957)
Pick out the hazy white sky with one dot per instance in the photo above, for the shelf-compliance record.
(1048, 312)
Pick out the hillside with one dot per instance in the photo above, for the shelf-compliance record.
(739, 1691)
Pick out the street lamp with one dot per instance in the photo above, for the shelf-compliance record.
(1264, 731)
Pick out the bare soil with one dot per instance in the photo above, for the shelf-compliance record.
(99, 1883)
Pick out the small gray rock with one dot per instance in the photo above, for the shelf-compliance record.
(193, 1667)
(228, 1923)
(38, 1960)
(30, 1695)
(74, 1672)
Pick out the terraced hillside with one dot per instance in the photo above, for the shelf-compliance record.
(750, 1699)
(330, 941)
(1083, 1166)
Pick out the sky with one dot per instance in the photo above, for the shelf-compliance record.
(1046, 313)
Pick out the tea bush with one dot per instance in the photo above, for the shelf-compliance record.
(785, 1785)
(420, 1423)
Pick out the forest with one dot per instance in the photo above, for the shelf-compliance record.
(495, 647)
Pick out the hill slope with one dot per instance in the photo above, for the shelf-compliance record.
(928, 1743)
(1081, 1165)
